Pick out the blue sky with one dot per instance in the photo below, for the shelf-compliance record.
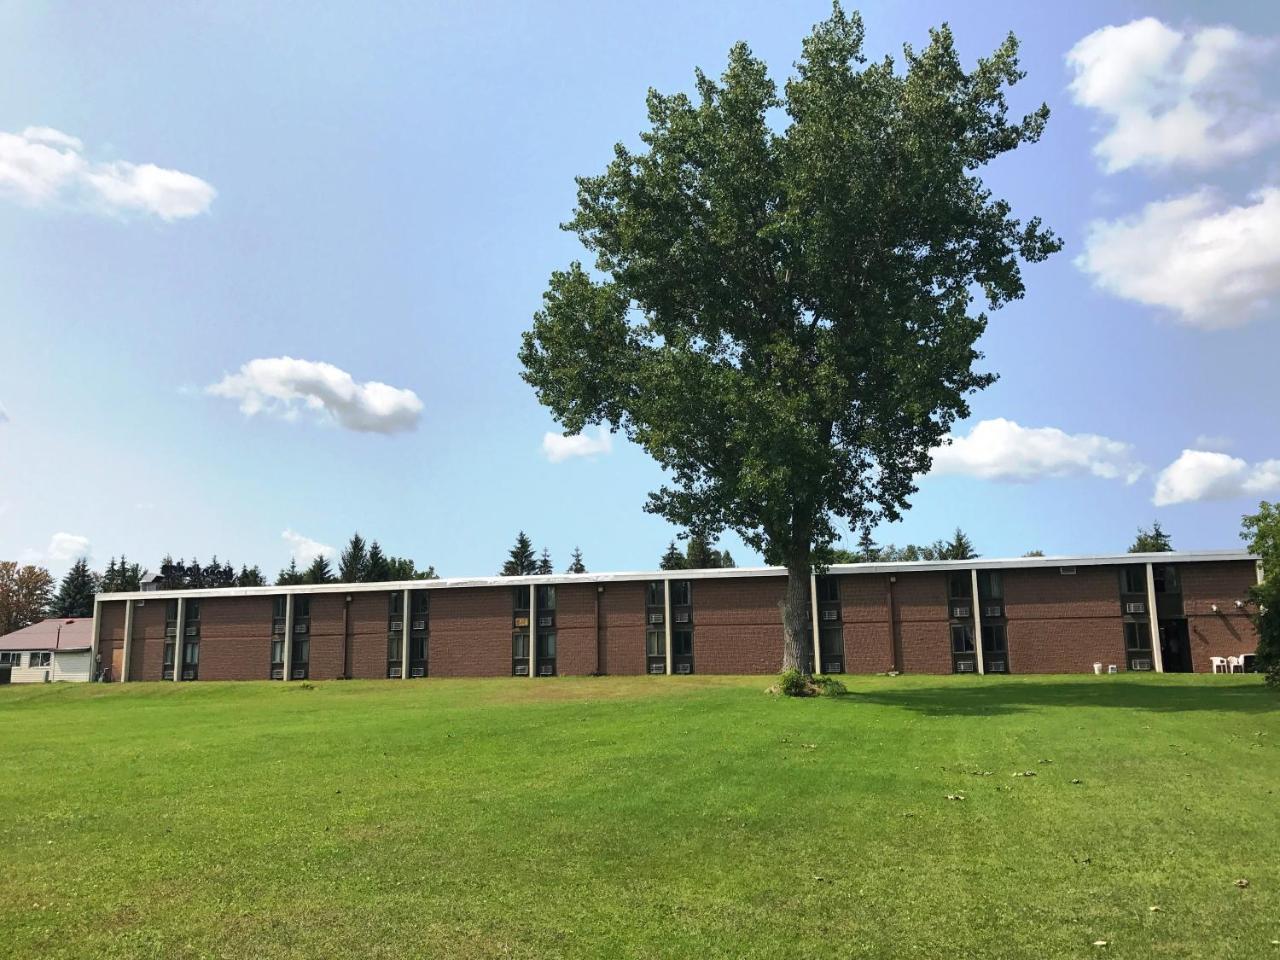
(185, 189)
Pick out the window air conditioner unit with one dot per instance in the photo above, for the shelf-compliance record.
(192, 631)
(170, 631)
(522, 621)
(657, 668)
(655, 618)
(277, 627)
(395, 673)
(1135, 608)
(993, 611)
(684, 668)
(545, 670)
(397, 625)
(830, 614)
(299, 673)
(545, 621)
(959, 612)
(418, 672)
(996, 666)
(300, 628)
(835, 666)
(522, 670)
(188, 674)
(419, 625)
(682, 616)
(964, 666)
(1140, 665)
(277, 673)
(167, 674)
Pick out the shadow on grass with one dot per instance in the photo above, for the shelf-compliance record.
(999, 696)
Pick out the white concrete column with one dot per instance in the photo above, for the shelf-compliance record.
(288, 637)
(533, 630)
(404, 636)
(666, 619)
(977, 621)
(97, 635)
(813, 614)
(180, 640)
(128, 641)
(1153, 621)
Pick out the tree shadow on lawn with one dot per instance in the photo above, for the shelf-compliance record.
(997, 695)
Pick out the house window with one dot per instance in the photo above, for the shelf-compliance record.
(301, 607)
(1137, 636)
(301, 653)
(546, 597)
(990, 585)
(994, 639)
(1166, 578)
(961, 638)
(653, 594)
(519, 646)
(655, 643)
(12, 658)
(680, 593)
(546, 646)
(279, 607)
(40, 658)
(959, 587)
(828, 590)
(171, 611)
(277, 653)
(193, 610)
(1133, 579)
(393, 649)
(418, 648)
(419, 602)
(520, 598)
(682, 643)
(393, 603)
(190, 654)
(831, 639)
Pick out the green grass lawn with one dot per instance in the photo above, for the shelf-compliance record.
(642, 817)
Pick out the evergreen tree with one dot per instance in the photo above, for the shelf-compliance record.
(867, 550)
(673, 559)
(354, 562)
(250, 577)
(575, 563)
(75, 594)
(290, 575)
(195, 575)
(959, 547)
(544, 564)
(320, 571)
(520, 559)
(726, 560)
(377, 569)
(698, 554)
(1034, 553)
(1154, 540)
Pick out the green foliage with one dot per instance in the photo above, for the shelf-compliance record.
(782, 319)
(673, 559)
(575, 563)
(377, 567)
(76, 592)
(320, 571)
(121, 577)
(793, 683)
(290, 575)
(250, 577)
(1261, 531)
(25, 592)
(1266, 597)
(1154, 540)
(828, 686)
(353, 564)
(1034, 553)
(544, 563)
(520, 559)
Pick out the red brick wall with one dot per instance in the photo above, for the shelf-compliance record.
(920, 618)
(1063, 623)
(369, 625)
(575, 628)
(146, 661)
(737, 625)
(235, 638)
(865, 613)
(1229, 632)
(326, 653)
(110, 633)
(622, 627)
(470, 632)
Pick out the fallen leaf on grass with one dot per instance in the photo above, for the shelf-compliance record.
(1242, 884)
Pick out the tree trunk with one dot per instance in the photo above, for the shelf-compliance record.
(797, 649)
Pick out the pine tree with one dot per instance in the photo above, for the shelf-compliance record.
(195, 574)
(320, 571)
(354, 562)
(110, 582)
(544, 564)
(520, 559)
(75, 595)
(575, 563)
(1154, 540)
(959, 547)
(867, 550)
(673, 559)
(290, 575)
(378, 568)
(726, 560)
(698, 555)
(250, 577)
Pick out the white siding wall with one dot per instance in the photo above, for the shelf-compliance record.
(73, 667)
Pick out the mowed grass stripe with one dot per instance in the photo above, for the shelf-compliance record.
(641, 817)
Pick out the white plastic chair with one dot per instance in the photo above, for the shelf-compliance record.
(1219, 664)
(1235, 665)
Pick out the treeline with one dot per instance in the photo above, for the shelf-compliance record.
(359, 562)
(959, 547)
(522, 561)
(699, 554)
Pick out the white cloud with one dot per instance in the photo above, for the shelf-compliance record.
(1204, 475)
(558, 447)
(1173, 97)
(284, 386)
(68, 546)
(304, 549)
(1001, 449)
(1213, 265)
(41, 166)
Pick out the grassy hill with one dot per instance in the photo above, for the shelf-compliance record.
(642, 817)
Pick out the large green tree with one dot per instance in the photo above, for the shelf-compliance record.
(1154, 540)
(24, 595)
(781, 312)
(353, 563)
(75, 592)
(520, 558)
(1262, 532)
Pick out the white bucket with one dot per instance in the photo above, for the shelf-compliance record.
(1097, 668)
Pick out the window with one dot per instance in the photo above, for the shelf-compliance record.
(301, 607)
(39, 658)
(655, 643)
(1137, 636)
(994, 638)
(277, 653)
(828, 590)
(419, 601)
(520, 598)
(301, 652)
(546, 597)
(171, 610)
(1133, 579)
(168, 655)
(393, 603)
(682, 643)
(519, 646)
(959, 587)
(961, 638)
(418, 648)
(653, 595)
(11, 658)
(831, 639)
(393, 649)
(192, 611)
(279, 607)
(1166, 578)
(546, 646)
(990, 585)
(190, 654)
(680, 593)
